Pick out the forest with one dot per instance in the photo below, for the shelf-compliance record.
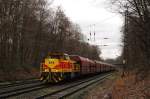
(29, 29)
(136, 33)
(135, 76)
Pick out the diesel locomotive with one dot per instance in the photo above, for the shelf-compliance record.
(57, 67)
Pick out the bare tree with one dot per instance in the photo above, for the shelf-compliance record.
(29, 29)
(136, 32)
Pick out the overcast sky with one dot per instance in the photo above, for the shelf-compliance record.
(86, 13)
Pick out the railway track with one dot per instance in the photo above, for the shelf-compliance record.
(17, 83)
(20, 88)
(39, 90)
(71, 89)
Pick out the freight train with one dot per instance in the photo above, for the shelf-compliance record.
(58, 67)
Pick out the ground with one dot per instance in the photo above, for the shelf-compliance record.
(131, 86)
(98, 90)
(117, 87)
(101, 90)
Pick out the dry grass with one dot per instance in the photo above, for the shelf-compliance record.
(128, 87)
(101, 90)
(19, 73)
(118, 87)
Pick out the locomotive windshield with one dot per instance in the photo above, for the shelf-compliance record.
(55, 57)
(59, 56)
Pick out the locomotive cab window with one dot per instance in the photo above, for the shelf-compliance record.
(66, 57)
(54, 56)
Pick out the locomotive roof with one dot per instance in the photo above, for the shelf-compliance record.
(56, 53)
(78, 57)
(103, 63)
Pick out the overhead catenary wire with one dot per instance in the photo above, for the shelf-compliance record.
(92, 31)
(100, 22)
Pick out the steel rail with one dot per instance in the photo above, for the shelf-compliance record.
(74, 85)
(18, 83)
(20, 90)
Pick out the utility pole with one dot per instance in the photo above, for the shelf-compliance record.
(125, 49)
(90, 32)
(94, 32)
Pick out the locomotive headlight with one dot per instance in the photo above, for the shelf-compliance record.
(46, 70)
(56, 70)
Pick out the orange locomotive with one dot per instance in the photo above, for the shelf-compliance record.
(57, 67)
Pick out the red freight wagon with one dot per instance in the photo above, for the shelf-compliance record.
(98, 66)
(102, 67)
(92, 66)
(83, 62)
(106, 67)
